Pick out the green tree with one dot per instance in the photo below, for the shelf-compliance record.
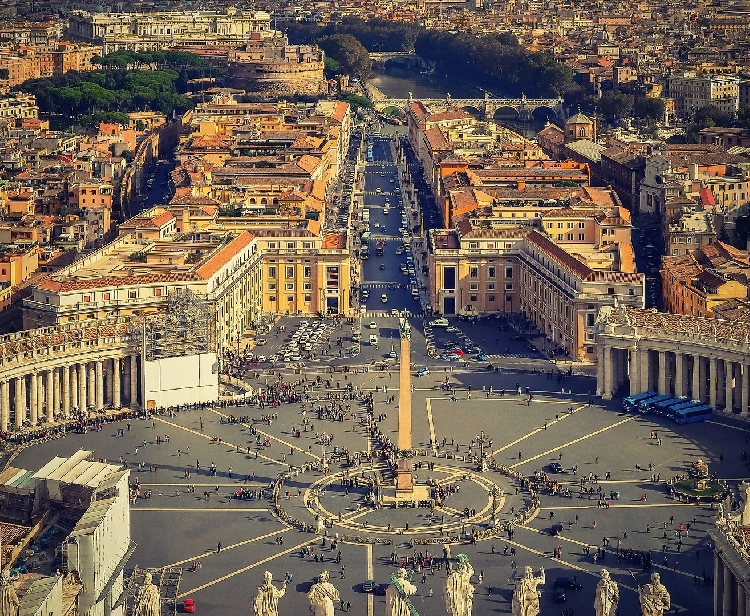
(648, 108)
(614, 105)
(349, 52)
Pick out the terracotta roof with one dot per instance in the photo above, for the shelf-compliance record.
(445, 116)
(224, 255)
(73, 284)
(436, 139)
(340, 112)
(581, 270)
(334, 240)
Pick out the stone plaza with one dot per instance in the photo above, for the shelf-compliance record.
(191, 512)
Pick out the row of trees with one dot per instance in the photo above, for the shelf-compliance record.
(374, 34)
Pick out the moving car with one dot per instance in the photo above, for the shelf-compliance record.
(368, 585)
(556, 467)
(441, 322)
(373, 340)
(382, 266)
(372, 325)
(567, 583)
(384, 298)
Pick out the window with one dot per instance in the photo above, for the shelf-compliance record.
(449, 278)
(610, 290)
(157, 292)
(86, 298)
(272, 298)
(491, 271)
(581, 225)
(472, 298)
(307, 286)
(290, 299)
(560, 236)
(132, 294)
(570, 225)
(307, 272)
(509, 272)
(473, 272)
(289, 286)
(272, 244)
(508, 298)
(107, 296)
(272, 271)
(473, 245)
(290, 271)
(508, 286)
(590, 320)
(271, 286)
(290, 245)
(581, 237)
(559, 225)
(589, 349)
(490, 298)
(570, 237)
(307, 245)
(308, 298)
(474, 286)
(491, 286)
(631, 291)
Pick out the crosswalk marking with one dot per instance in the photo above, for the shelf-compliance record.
(383, 314)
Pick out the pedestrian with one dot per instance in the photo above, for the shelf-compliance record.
(218, 547)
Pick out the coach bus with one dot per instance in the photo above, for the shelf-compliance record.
(694, 413)
(630, 404)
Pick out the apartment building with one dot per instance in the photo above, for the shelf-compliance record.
(692, 93)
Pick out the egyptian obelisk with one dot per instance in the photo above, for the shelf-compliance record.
(404, 482)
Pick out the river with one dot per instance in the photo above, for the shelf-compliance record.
(399, 82)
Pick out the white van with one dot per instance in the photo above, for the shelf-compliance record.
(373, 340)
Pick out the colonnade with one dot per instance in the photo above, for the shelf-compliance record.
(719, 379)
(47, 393)
(730, 575)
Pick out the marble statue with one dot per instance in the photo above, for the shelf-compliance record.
(266, 602)
(323, 595)
(397, 596)
(607, 596)
(525, 595)
(459, 593)
(654, 597)
(8, 597)
(745, 515)
(148, 601)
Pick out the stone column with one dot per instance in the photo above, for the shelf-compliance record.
(745, 389)
(66, 391)
(662, 373)
(40, 397)
(608, 372)
(82, 397)
(635, 373)
(729, 386)
(50, 387)
(728, 593)
(21, 415)
(33, 391)
(99, 385)
(680, 386)
(91, 379)
(4, 404)
(600, 369)
(116, 383)
(645, 368)
(741, 600)
(718, 586)
(696, 377)
(74, 387)
(20, 405)
(56, 390)
(133, 381)
(712, 376)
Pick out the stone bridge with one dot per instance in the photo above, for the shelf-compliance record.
(398, 58)
(521, 108)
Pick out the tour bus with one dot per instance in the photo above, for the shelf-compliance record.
(694, 413)
(630, 404)
(647, 405)
(664, 408)
(682, 406)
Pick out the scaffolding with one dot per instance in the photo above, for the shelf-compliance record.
(186, 328)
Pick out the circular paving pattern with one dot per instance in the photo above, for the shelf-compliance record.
(327, 499)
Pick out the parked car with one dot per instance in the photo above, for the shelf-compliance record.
(373, 340)
(441, 322)
(372, 325)
(384, 298)
(556, 467)
(452, 330)
(559, 595)
(481, 357)
(188, 606)
(423, 372)
(368, 585)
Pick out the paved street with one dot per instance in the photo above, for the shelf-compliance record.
(175, 527)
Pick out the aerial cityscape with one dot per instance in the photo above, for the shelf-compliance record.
(402, 308)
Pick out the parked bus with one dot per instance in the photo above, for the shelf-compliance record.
(665, 408)
(694, 413)
(647, 406)
(630, 404)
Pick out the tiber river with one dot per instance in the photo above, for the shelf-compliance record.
(398, 82)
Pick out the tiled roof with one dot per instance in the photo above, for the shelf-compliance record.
(581, 270)
(224, 255)
(444, 116)
(74, 284)
(340, 112)
(334, 240)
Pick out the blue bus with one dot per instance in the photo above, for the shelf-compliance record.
(630, 403)
(694, 413)
(647, 405)
(665, 407)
